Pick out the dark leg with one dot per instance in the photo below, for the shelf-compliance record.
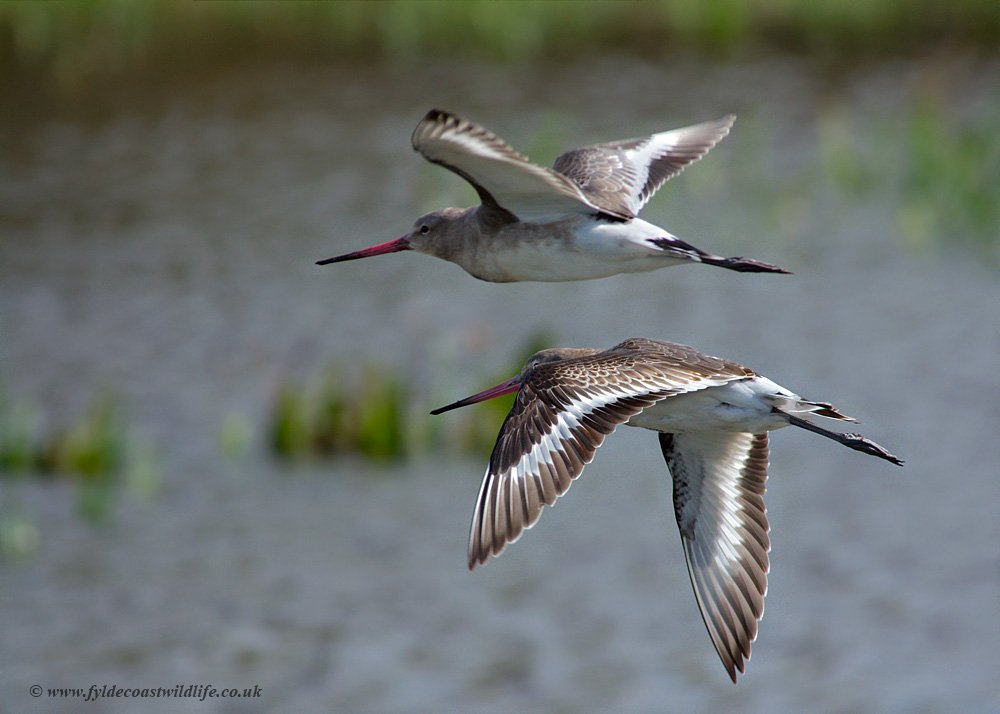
(852, 441)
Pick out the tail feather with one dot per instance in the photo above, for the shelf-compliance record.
(688, 251)
(793, 404)
(826, 410)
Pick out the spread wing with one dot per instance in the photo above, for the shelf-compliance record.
(503, 178)
(620, 177)
(719, 482)
(562, 414)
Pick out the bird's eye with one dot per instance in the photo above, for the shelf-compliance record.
(425, 229)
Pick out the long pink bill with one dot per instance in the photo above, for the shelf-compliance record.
(393, 246)
(511, 385)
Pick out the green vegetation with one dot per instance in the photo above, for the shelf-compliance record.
(235, 435)
(73, 41)
(842, 161)
(328, 418)
(932, 169)
(951, 179)
(375, 416)
(96, 451)
(928, 170)
(944, 173)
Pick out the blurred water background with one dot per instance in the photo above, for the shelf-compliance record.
(171, 172)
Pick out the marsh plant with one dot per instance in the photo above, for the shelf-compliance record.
(330, 416)
(65, 43)
(951, 181)
(943, 171)
(96, 452)
(375, 415)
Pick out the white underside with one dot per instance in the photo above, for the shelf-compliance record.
(572, 249)
(744, 405)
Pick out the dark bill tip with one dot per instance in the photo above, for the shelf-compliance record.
(511, 385)
(393, 246)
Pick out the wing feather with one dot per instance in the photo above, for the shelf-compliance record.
(502, 177)
(621, 176)
(562, 414)
(719, 480)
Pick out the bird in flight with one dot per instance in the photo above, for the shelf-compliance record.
(575, 221)
(712, 416)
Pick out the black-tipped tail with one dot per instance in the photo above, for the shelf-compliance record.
(741, 265)
(744, 265)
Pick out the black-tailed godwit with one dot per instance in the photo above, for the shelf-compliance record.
(575, 221)
(712, 416)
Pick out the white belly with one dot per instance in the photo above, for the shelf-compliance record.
(737, 406)
(575, 249)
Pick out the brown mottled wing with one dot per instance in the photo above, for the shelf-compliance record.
(682, 359)
(620, 177)
(562, 414)
(719, 503)
(502, 177)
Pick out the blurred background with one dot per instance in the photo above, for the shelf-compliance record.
(217, 463)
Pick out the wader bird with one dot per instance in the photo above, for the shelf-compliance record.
(575, 221)
(712, 417)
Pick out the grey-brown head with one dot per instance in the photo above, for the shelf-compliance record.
(439, 233)
(555, 354)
